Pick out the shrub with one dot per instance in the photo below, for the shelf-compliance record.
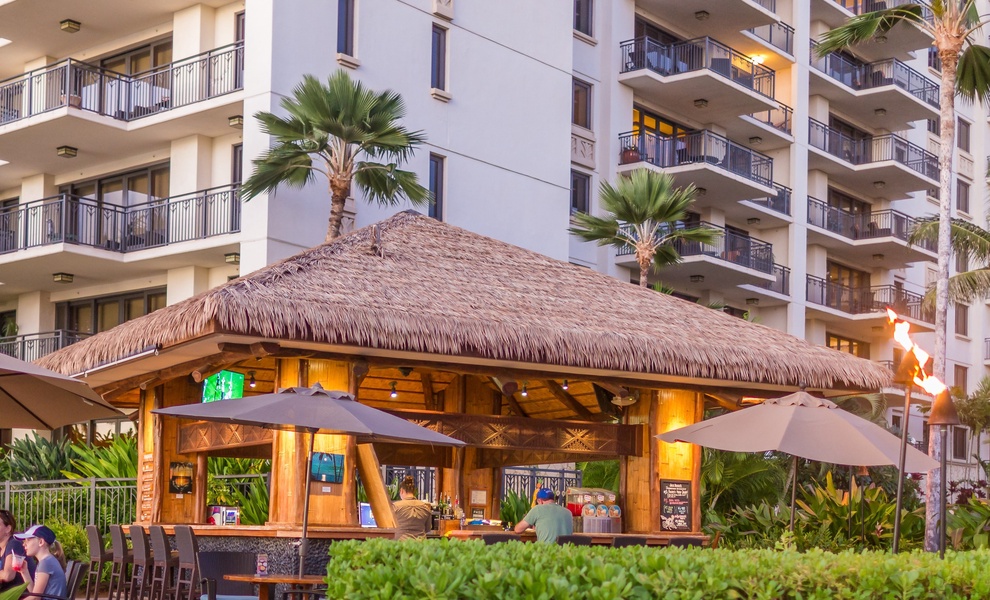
(73, 539)
(37, 459)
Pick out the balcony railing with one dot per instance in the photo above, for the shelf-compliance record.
(779, 35)
(696, 55)
(32, 346)
(702, 147)
(770, 5)
(729, 246)
(858, 7)
(76, 220)
(863, 226)
(873, 149)
(780, 203)
(782, 280)
(76, 84)
(778, 118)
(860, 76)
(866, 300)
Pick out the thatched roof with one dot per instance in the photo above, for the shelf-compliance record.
(436, 289)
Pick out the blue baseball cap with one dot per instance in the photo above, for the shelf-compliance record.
(545, 494)
(37, 531)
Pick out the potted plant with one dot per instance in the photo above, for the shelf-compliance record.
(630, 154)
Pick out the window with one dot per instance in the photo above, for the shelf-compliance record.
(895, 421)
(648, 122)
(581, 111)
(237, 163)
(962, 262)
(848, 345)
(934, 126)
(960, 437)
(141, 59)
(94, 315)
(436, 186)
(345, 27)
(962, 196)
(934, 62)
(962, 319)
(962, 135)
(580, 191)
(438, 68)
(582, 16)
(646, 29)
(959, 375)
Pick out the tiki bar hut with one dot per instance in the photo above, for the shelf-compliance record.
(521, 356)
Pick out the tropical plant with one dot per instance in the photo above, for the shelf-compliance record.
(342, 130)
(955, 26)
(968, 525)
(600, 474)
(254, 502)
(736, 479)
(72, 537)
(116, 458)
(513, 508)
(644, 212)
(227, 491)
(974, 410)
(35, 458)
(966, 239)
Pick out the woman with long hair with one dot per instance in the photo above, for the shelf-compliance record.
(49, 576)
(413, 518)
(9, 548)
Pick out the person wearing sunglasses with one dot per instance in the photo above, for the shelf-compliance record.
(9, 548)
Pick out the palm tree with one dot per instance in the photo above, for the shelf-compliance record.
(967, 239)
(974, 411)
(646, 213)
(342, 130)
(953, 26)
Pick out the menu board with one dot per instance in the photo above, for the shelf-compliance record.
(675, 505)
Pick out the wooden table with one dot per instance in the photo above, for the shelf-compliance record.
(267, 583)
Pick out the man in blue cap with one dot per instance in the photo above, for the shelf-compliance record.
(548, 518)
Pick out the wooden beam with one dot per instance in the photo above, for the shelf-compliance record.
(570, 402)
(371, 475)
(153, 378)
(429, 400)
(359, 370)
(503, 385)
(618, 390)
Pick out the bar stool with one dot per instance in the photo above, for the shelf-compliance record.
(628, 540)
(122, 558)
(163, 566)
(98, 556)
(491, 539)
(187, 577)
(141, 570)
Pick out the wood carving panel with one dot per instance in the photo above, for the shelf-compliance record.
(205, 436)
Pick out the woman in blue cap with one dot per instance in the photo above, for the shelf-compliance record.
(49, 575)
(550, 519)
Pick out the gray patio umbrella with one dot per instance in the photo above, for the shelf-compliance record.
(32, 397)
(803, 426)
(312, 410)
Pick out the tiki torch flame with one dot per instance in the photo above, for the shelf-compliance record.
(902, 336)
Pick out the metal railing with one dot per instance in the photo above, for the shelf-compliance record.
(729, 246)
(778, 118)
(858, 7)
(696, 55)
(860, 76)
(77, 84)
(878, 148)
(102, 502)
(32, 346)
(77, 220)
(425, 477)
(782, 281)
(780, 203)
(770, 5)
(779, 35)
(863, 226)
(865, 300)
(523, 480)
(702, 147)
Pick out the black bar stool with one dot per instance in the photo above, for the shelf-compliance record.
(163, 566)
(122, 559)
(98, 556)
(187, 577)
(141, 570)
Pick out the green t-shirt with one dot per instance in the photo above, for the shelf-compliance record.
(550, 521)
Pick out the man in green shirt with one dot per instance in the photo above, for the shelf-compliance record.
(548, 518)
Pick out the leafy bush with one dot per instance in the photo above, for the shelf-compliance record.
(600, 474)
(254, 504)
(37, 459)
(514, 507)
(75, 545)
(458, 569)
(116, 458)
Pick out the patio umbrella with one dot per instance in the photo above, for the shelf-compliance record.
(803, 426)
(32, 397)
(312, 410)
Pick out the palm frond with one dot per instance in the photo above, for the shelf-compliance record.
(969, 286)
(869, 27)
(973, 73)
(386, 184)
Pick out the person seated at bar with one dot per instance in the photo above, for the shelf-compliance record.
(413, 517)
(9, 548)
(550, 519)
(49, 576)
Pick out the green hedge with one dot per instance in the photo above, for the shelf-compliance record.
(458, 569)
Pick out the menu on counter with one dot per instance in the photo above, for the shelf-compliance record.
(675, 505)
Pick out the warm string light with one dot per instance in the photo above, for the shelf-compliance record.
(565, 386)
(394, 393)
(931, 384)
(252, 382)
(524, 393)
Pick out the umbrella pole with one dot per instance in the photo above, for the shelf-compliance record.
(794, 492)
(900, 467)
(304, 540)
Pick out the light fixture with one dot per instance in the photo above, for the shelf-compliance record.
(524, 392)
(878, 257)
(702, 15)
(880, 184)
(701, 191)
(236, 121)
(880, 112)
(393, 394)
(69, 25)
(753, 301)
(758, 59)
(565, 386)
(252, 382)
(62, 277)
(753, 221)
(628, 400)
(232, 258)
(755, 140)
(697, 278)
(701, 103)
(67, 151)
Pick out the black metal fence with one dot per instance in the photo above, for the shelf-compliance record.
(863, 226)
(865, 300)
(779, 35)
(32, 346)
(872, 149)
(699, 147)
(525, 480)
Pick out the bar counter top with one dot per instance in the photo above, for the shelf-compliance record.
(288, 531)
(597, 539)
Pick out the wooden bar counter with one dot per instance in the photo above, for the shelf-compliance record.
(597, 539)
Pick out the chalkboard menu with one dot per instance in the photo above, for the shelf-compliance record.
(675, 505)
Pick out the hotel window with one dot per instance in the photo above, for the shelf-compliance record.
(848, 345)
(960, 443)
(895, 421)
(100, 314)
(438, 67)
(962, 319)
(582, 16)
(345, 27)
(934, 126)
(962, 196)
(141, 60)
(959, 375)
(962, 262)
(436, 186)
(237, 163)
(962, 135)
(581, 111)
(580, 191)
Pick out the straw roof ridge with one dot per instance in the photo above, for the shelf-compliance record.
(434, 288)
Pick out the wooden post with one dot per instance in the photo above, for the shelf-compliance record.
(371, 475)
(676, 409)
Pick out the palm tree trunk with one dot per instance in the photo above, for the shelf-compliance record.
(644, 271)
(338, 196)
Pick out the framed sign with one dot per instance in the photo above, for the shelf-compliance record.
(675, 505)
(180, 478)
(479, 498)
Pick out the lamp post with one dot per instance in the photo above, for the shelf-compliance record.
(906, 372)
(943, 414)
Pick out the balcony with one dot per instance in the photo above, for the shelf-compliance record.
(882, 164)
(766, 293)
(724, 172)
(703, 17)
(900, 41)
(779, 35)
(768, 211)
(32, 346)
(878, 238)
(887, 94)
(697, 75)
(842, 304)
(732, 259)
(769, 129)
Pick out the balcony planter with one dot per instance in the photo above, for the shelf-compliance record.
(630, 154)
(72, 100)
